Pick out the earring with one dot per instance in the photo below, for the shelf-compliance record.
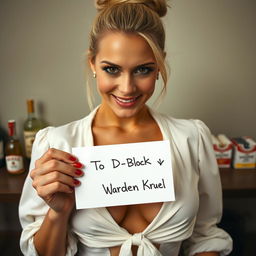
(94, 74)
(157, 76)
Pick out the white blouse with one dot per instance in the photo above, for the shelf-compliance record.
(188, 222)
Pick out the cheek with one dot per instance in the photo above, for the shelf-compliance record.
(104, 84)
(147, 86)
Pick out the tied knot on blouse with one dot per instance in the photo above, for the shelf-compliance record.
(145, 247)
(137, 238)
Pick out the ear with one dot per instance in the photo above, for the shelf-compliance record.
(91, 62)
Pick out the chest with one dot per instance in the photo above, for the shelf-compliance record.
(135, 218)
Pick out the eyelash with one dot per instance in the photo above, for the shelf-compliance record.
(143, 70)
(107, 69)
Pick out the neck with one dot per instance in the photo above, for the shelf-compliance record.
(31, 115)
(106, 117)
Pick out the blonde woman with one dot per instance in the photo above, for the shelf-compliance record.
(126, 57)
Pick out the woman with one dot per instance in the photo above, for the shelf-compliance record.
(126, 55)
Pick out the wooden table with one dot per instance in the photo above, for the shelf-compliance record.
(11, 185)
(235, 183)
(239, 182)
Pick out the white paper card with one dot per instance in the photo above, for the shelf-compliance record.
(125, 174)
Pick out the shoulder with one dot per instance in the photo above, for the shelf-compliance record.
(68, 130)
(70, 133)
(183, 131)
(192, 127)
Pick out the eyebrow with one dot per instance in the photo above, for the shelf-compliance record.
(113, 64)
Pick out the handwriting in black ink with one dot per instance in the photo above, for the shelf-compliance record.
(98, 165)
(160, 161)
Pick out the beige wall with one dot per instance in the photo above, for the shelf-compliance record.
(211, 50)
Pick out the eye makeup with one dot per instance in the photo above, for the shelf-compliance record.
(143, 69)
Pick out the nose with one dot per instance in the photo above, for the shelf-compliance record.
(126, 84)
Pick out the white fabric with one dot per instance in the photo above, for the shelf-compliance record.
(191, 218)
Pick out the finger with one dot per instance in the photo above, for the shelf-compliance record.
(56, 165)
(52, 188)
(57, 154)
(55, 177)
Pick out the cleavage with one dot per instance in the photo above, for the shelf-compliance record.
(135, 218)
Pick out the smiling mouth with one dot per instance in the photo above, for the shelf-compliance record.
(128, 101)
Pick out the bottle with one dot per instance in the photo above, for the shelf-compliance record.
(13, 151)
(31, 126)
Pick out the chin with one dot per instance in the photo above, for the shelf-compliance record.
(125, 113)
(128, 112)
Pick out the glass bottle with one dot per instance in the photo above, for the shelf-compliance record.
(31, 126)
(13, 151)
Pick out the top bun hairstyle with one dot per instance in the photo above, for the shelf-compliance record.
(158, 6)
(141, 17)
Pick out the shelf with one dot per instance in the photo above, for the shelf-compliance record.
(11, 186)
(235, 183)
(238, 182)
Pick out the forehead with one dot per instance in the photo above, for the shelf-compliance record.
(125, 48)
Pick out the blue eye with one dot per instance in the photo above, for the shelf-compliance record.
(143, 70)
(111, 70)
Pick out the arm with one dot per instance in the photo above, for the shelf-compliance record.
(207, 237)
(53, 179)
(42, 210)
(52, 236)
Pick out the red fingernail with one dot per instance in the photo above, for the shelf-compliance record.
(78, 172)
(72, 158)
(77, 182)
(78, 165)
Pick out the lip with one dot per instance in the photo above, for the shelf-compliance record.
(126, 101)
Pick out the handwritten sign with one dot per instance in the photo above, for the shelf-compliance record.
(124, 174)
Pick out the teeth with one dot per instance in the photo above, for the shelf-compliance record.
(126, 101)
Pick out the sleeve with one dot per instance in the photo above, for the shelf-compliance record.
(207, 236)
(32, 209)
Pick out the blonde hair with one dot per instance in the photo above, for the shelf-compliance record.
(140, 17)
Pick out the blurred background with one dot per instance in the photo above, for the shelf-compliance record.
(211, 51)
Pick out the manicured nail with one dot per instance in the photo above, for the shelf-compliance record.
(77, 182)
(72, 158)
(78, 172)
(78, 165)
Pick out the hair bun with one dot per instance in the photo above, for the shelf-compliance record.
(158, 6)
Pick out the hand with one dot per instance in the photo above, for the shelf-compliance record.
(53, 179)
